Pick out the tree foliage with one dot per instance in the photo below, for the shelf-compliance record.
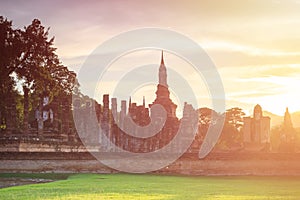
(28, 58)
(232, 129)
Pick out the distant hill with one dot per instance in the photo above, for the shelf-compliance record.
(296, 118)
(275, 119)
(278, 120)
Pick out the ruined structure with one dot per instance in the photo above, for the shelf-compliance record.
(257, 130)
(124, 127)
(118, 124)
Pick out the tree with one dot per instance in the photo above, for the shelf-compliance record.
(37, 51)
(288, 134)
(234, 117)
(9, 52)
(207, 117)
(29, 57)
(232, 130)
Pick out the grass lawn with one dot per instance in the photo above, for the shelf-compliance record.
(128, 186)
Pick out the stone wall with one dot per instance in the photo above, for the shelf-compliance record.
(214, 164)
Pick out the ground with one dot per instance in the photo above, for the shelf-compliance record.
(130, 186)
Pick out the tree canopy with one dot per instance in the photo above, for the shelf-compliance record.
(28, 59)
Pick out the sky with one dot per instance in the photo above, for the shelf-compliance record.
(255, 45)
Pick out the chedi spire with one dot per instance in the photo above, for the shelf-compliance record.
(162, 72)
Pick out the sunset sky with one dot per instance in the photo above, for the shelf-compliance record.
(255, 45)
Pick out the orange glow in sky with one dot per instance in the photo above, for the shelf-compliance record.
(254, 44)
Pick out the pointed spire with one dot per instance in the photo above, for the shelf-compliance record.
(162, 72)
(162, 58)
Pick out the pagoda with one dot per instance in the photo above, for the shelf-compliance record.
(163, 93)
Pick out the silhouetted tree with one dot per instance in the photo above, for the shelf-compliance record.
(288, 134)
(234, 116)
(28, 56)
(288, 128)
(207, 117)
(9, 52)
(232, 129)
(36, 50)
(39, 69)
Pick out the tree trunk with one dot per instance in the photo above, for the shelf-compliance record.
(26, 109)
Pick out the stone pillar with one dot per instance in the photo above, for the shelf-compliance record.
(106, 110)
(55, 109)
(92, 123)
(98, 111)
(26, 109)
(84, 116)
(65, 107)
(122, 114)
(78, 119)
(105, 118)
(114, 111)
(114, 121)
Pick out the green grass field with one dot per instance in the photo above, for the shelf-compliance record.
(127, 186)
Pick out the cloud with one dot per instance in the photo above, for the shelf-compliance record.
(255, 44)
(292, 70)
(246, 49)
